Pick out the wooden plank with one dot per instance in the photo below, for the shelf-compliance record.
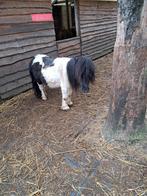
(99, 48)
(26, 54)
(15, 19)
(98, 21)
(13, 77)
(99, 25)
(98, 4)
(108, 0)
(99, 12)
(95, 5)
(101, 53)
(27, 35)
(101, 28)
(23, 64)
(17, 11)
(15, 84)
(14, 68)
(20, 39)
(67, 44)
(18, 19)
(98, 40)
(16, 91)
(91, 38)
(12, 53)
(88, 4)
(99, 31)
(69, 47)
(16, 1)
(21, 46)
(98, 7)
(102, 19)
(25, 4)
(70, 53)
(68, 40)
(23, 28)
(97, 16)
(98, 44)
(75, 47)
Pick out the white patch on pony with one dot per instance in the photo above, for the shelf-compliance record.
(43, 96)
(56, 76)
(39, 58)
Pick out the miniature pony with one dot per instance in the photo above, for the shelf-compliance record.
(67, 73)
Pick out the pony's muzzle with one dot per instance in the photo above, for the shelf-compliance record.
(85, 89)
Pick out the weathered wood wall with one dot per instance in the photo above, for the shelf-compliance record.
(20, 39)
(98, 26)
(69, 47)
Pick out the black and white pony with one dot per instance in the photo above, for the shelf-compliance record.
(67, 73)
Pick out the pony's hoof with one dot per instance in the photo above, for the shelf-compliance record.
(44, 98)
(65, 108)
(70, 103)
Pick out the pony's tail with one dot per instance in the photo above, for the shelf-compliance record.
(35, 86)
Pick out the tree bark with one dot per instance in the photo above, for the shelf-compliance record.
(127, 105)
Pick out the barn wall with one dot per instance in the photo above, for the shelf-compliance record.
(20, 39)
(69, 47)
(98, 26)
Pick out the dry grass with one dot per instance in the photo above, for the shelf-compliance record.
(45, 151)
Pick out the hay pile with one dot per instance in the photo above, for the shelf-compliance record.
(45, 151)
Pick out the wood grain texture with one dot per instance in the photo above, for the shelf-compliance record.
(98, 27)
(20, 40)
(69, 47)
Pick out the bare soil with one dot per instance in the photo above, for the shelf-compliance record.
(49, 152)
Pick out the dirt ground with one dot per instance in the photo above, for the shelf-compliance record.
(49, 152)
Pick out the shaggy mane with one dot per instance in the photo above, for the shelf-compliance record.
(79, 67)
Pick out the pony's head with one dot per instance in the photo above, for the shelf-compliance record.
(81, 72)
(87, 73)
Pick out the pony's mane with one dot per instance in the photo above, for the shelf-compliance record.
(79, 67)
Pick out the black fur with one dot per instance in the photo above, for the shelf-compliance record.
(36, 76)
(81, 71)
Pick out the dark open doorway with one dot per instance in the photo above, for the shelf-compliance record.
(64, 18)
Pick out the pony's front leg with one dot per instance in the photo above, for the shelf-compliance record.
(43, 96)
(64, 99)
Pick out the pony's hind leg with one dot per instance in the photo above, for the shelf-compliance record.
(43, 96)
(69, 102)
(64, 99)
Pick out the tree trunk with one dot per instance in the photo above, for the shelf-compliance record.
(127, 105)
